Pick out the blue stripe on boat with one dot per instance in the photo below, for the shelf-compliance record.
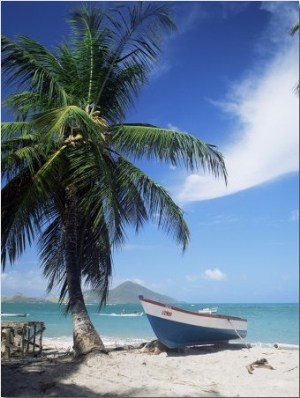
(177, 333)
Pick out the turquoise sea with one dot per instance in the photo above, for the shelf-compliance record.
(267, 323)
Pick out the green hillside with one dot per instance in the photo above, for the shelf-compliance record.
(20, 298)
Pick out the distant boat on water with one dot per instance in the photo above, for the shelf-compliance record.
(13, 315)
(176, 327)
(135, 313)
(207, 310)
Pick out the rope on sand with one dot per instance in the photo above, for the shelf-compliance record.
(246, 344)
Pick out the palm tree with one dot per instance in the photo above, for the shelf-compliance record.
(68, 181)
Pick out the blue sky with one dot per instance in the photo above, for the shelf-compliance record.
(227, 77)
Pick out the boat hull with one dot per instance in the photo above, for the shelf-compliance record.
(176, 327)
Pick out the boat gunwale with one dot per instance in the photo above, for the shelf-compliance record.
(157, 303)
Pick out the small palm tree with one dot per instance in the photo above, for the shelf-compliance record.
(68, 180)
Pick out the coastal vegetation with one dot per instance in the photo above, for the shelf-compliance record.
(69, 181)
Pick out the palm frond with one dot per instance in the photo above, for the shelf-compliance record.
(25, 104)
(21, 217)
(51, 254)
(181, 149)
(132, 39)
(27, 64)
(294, 28)
(124, 195)
(161, 209)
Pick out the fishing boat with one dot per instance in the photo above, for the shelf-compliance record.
(207, 310)
(14, 315)
(123, 313)
(176, 327)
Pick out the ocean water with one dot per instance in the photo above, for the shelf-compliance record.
(267, 323)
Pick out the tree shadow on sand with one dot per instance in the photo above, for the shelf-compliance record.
(42, 376)
(54, 373)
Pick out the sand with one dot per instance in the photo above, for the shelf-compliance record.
(207, 371)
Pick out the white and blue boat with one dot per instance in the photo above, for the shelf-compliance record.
(13, 315)
(176, 327)
(208, 310)
(135, 313)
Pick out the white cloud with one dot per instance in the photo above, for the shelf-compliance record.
(295, 215)
(265, 143)
(159, 70)
(29, 283)
(215, 274)
(172, 127)
(229, 8)
(221, 219)
(189, 17)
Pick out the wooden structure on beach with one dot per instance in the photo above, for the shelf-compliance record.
(21, 338)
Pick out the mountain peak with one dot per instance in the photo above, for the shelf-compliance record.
(128, 293)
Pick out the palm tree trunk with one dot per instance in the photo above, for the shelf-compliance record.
(85, 337)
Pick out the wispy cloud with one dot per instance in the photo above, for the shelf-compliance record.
(214, 274)
(159, 70)
(14, 282)
(173, 127)
(265, 110)
(188, 17)
(294, 216)
(221, 219)
(229, 8)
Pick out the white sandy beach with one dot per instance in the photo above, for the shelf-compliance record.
(206, 371)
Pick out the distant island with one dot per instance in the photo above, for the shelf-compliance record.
(22, 298)
(126, 293)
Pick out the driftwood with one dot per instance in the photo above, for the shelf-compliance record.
(260, 363)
